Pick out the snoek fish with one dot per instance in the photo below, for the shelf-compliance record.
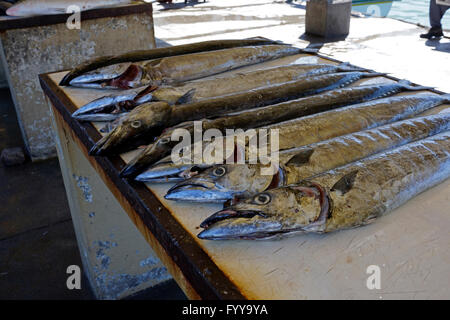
(46, 7)
(201, 89)
(309, 130)
(314, 104)
(347, 197)
(152, 119)
(141, 55)
(176, 69)
(225, 182)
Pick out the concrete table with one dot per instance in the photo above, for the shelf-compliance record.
(410, 246)
(34, 45)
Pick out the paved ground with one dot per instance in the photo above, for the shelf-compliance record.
(382, 44)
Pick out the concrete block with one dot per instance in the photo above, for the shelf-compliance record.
(328, 18)
(27, 51)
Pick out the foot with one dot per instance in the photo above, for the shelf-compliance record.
(432, 33)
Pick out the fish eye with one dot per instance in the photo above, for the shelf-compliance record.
(219, 171)
(262, 198)
(136, 124)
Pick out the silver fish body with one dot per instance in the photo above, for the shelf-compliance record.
(202, 89)
(226, 181)
(176, 69)
(350, 196)
(314, 128)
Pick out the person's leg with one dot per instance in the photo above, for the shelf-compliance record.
(436, 14)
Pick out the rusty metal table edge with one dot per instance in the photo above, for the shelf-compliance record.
(34, 21)
(204, 276)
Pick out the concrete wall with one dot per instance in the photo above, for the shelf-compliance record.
(29, 52)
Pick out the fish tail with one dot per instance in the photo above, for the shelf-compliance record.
(408, 86)
(374, 74)
(446, 98)
(346, 66)
(309, 50)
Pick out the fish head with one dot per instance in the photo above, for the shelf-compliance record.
(224, 182)
(141, 120)
(20, 9)
(122, 75)
(270, 214)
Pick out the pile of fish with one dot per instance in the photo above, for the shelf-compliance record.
(347, 153)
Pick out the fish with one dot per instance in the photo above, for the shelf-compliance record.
(163, 145)
(346, 197)
(308, 130)
(227, 181)
(172, 116)
(177, 69)
(49, 7)
(200, 89)
(156, 53)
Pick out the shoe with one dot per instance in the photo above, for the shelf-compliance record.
(432, 33)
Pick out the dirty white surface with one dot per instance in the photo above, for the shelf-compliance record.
(383, 44)
(411, 245)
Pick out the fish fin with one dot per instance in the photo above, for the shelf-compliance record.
(310, 50)
(265, 39)
(446, 97)
(374, 74)
(346, 66)
(345, 184)
(187, 97)
(407, 85)
(301, 158)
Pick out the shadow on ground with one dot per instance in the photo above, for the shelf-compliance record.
(439, 45)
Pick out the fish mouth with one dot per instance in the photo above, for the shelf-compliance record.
(197, 192)
(231, 223)
(125, 79)
(115, 103)
(167, 171)
(226, 214)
